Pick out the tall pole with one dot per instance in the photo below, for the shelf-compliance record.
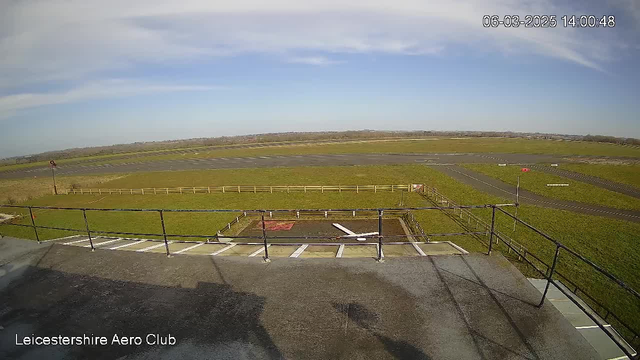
(53, 175)
(517, 203)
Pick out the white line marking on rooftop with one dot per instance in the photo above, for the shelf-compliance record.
(153, 247)
(125, 245)
(415, 246)
(223, 249)
(299, 251)
(104, 242)
(62, 238)
(592, 326)
(188, 248)
(258, 251)
(340, 251)
(73, 242)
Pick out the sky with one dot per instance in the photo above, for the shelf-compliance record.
(91, 73)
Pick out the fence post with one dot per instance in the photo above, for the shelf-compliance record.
(238, 188)
(553, 268)
(271, 189)
(33, 224)
(208, 189)
(380, 236)
(164, 233)
(493, 222)
(86, 223)
(264, 238)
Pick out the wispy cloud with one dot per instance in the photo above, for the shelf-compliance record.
(313, 60)
(12, 104)
(62, 40)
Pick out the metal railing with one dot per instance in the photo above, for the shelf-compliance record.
(547, 273)
(548, 270)
(248, 188)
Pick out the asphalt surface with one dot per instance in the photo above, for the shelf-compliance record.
(498, 188)
(437, 307)
(593, 180)
(280, 161)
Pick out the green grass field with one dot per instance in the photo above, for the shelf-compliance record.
(610, 243)
(626, 174)
(536, 181)
(425, 145)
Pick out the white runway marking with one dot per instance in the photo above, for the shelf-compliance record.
(62, 238)
(188, 248)
(299, 251)
(104, 242)
(223, 249)
(125, 245)
(153, 247)
(340, 251)
(259, 251)
(592, 326)
(74, 242)
(418, 249)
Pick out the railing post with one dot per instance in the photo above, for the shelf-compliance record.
(33, 224)
(493, 223)
(380, 236)
(553, 268)
(264, 238)
(164, 233)
(86, 223)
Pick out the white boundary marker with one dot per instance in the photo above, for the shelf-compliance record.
(125, 245)
(62, 238)
(74, 242)
(153, 247)
(188, 248)
(223, 249)
(592, 326)
(104, 242)
(465, 252)
(340, 251)
(257, 252)
(299, 251)
(415, 246)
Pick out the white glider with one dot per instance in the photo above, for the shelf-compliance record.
(352, 234)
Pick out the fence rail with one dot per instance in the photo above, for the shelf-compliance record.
(548, 272)
(250, 189)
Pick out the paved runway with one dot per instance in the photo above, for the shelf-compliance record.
(498, 188)
(281, 161)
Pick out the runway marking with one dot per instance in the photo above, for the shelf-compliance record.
(62, 238)
(74, 242)
(548, 202)
(299, 251)
(104, 242)
(125, 245)
(153, 247)
(591, 326)
(188, 248)
(415, 246)
(255, 253)
(223, 249)
(340, 251)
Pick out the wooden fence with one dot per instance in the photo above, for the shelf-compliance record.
(252, 189)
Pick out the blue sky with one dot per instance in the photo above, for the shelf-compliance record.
(89, 73)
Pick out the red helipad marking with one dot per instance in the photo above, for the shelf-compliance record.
(276, 225)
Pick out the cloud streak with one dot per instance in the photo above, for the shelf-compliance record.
(12, 104)
(67, 40)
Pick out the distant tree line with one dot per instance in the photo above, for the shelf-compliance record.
(293, 137)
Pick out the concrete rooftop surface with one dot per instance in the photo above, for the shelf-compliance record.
(435, 307)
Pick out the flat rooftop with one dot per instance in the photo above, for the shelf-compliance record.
(431, 307)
